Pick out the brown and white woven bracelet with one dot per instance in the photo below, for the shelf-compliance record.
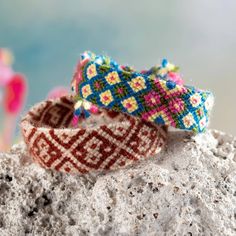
(106, 141)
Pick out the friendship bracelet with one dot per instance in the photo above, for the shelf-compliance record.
(157, 95)
(105, 141)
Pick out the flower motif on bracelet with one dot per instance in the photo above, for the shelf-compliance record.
(106, 97)
(91, 71)
(152, 99)
(120, 91)
(188, 120)
(86, 91)
(137, 84)
(200, 112)
(112, 78)
(98, 85)
(195, 100)
(130, 104)
(176, 105)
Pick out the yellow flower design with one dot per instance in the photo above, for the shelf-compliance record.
(106, 97)
(137, 84)
(91, 71)
(112, 78)
(86, 91)
(188, 120)
(130, 104)
(195, 99)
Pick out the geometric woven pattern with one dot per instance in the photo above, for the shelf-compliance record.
(158, 100)
(54, 144)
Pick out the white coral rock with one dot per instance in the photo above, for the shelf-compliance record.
(189, 189)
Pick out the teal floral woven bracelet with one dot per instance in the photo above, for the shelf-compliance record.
(156, 95)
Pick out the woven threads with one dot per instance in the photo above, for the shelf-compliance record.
(154, 98)
(55, 145)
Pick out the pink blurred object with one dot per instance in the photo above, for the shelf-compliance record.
(14, 87)
(58, 92)
(15, 93)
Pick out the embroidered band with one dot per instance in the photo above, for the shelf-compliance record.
(105, 141)
(157, 95)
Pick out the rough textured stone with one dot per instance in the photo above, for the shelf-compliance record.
(189, 189)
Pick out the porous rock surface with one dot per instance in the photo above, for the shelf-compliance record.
(189, 189)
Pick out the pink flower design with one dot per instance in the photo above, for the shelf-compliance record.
(130, 104)
(97, 85)
(152, 99)
(176, 105)
(120, 90)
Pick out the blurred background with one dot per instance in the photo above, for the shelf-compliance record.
(47, 38)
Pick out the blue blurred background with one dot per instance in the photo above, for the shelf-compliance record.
(47, 37)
